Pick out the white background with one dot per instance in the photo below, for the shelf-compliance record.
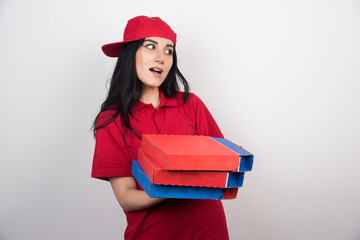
(280, 77)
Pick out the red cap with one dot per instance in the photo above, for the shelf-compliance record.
(138, 28)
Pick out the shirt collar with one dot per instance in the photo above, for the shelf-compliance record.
(168, 102)
(164, 102)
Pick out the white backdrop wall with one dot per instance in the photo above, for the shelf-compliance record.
(280, 77)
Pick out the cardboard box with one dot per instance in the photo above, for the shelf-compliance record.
(246, 158)
(186, 152)
(171, 191)
(158, 175)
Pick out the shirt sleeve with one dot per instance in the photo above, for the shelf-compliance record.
(111, 158)
(204, 121)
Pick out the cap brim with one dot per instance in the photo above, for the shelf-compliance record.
(112, 49)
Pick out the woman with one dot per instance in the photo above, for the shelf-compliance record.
(144, 97)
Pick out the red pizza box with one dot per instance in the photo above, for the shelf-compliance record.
(158, 175)
(187, 152)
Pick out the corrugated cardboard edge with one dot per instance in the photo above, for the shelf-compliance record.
(240, 156)
(155, 148)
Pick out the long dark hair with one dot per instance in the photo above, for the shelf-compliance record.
(126, 88)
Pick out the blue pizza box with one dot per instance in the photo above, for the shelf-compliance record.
(173, 191)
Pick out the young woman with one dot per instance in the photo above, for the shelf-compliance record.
(144, 97)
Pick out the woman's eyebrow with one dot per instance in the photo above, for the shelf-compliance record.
(155, 42)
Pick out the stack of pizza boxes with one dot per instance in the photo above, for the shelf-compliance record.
(183, 166)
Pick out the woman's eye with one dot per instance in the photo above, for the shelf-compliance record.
(150, 46)
(169, 51)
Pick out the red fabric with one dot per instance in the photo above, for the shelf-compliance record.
(138, 28)
(173, 218)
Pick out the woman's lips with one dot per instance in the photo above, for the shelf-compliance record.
(157, 72)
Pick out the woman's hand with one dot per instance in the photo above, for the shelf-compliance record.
(129, 197)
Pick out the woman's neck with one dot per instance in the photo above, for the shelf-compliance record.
(151, 95)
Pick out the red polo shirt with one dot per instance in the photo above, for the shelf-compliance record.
(173, 218)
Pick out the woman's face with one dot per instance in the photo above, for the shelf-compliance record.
(154, 60)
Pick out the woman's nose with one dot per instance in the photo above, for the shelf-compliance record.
(159, 57)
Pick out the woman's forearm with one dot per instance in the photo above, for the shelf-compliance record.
(129, 197)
